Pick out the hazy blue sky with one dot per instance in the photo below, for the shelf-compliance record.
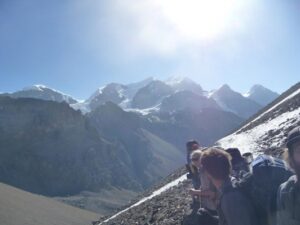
(76, 46)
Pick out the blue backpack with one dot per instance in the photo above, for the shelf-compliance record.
(261, 185)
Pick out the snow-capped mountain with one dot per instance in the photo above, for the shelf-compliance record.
(43, 92)
(133, 88)
(261, 95)
(112, 92)
(232, 101)
(187, 100)
(184, 84)
(119, 94)
(151, 95)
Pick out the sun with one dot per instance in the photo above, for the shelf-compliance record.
(199, 19)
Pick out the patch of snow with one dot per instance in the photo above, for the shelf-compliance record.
(208, 94)
(95, 94)
(248, 141)
(155, 193)
(82, 106)
(246, 95)
(36, 87)
(282, 101)
(121, 92)
(144, 112)
(42, 88)
(125, 103)
(173, 81)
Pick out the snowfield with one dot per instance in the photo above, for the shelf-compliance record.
(272, 108)
(251, 140)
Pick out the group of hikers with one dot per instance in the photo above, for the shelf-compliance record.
(234, 189)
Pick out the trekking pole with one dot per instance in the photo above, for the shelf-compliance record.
(200, 200)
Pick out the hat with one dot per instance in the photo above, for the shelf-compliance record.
(293, 137)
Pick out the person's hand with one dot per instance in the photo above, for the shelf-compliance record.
(193, 191)
(209, 194)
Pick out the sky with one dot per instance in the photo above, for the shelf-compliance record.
(77, 46)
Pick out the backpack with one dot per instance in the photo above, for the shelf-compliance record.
(261, 186)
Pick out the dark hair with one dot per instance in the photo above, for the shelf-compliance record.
(288, 157)
(217, 163)
(192, 145)
(235, 155)
(293, 137)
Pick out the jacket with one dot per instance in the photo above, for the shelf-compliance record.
(288, 202)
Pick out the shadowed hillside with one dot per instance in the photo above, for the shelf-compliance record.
(20, 207)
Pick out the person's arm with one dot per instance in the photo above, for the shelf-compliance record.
(237, 209)
(205, 193)
(280, 214)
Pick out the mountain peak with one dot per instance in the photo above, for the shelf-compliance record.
(225, 87)
(175, 80)
(180, 83)
(43, 92)
(36, 87)
(261, 94)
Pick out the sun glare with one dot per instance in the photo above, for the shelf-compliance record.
(199, 19)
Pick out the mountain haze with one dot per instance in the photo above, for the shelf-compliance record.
(120, 141)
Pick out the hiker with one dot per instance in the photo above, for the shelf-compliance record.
(234, 208)
(193, 174)
(288, 197)
(207, 193)
(239, 164)
(249, 157)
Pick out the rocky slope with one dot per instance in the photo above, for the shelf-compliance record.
(167, 204)
(150, 156)
(48, 148)
(207, 125)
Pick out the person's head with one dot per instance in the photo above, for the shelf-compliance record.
(192, 145)
(195, 158)
(216, 163)
(235, 155)
(248, 156)
(293, 152)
